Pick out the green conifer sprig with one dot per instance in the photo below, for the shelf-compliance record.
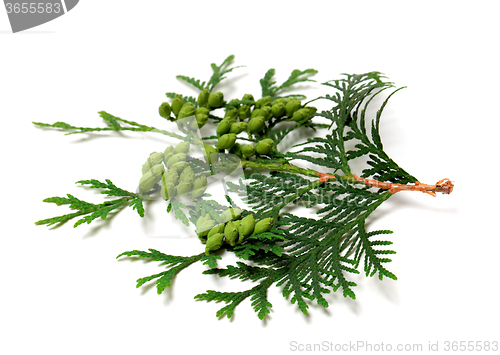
(306, 257)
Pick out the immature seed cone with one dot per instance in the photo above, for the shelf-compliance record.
(230, 214)
(157, 170)
(149, 179)
(199, 186)
(153, 159)
(292, 106)
(234, 103)
(179, 166)
(186, 110)
(203, 98)
(280, 100)
(215, 99)
(168, 190)
(312, 110)
(184, 187)
(300, 114)
(217, 229)
(244, 112)
(255, 113)
(248, 97)
(170, 176)
(248, 150)
(204, 110)
(182, 148)
(278, 110)
(223, 127)
(177, 105)
(256, 124)
(169, 151)
(238, 127)
(231, 114)
(187, 172)
(246, 227)
(264, 146)
(226, 141)
(265, 101)
(175, 159)
(164, 110)
(262, 226)
(200, 121)
(214, 243)
(266, 111)
(231, 233)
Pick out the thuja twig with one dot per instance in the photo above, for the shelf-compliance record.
(444, 186)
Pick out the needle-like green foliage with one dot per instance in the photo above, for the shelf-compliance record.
(307, 257)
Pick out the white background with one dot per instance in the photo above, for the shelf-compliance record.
(63, 291)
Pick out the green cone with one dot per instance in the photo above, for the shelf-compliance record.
(246, 227)
(204, 110)
(171, 176)
(248, 150)
(187, 172)
(262, 226)
(177, 105)
(184, 187)
(149, 179)
(226, 141)
(153, 159)
(278, 110)
(168, 191)
(164, 110)
(182, 148)
(238, 127)
(215, 99)
(217, 229)
(214, 243)
(266, 111)
(248, 97)
(264, 146)
(179, 166)
(231, 233)
(244, 112)
(199, 122)
(223, 127)
(292, 106)
(186, 110)
(255, 113)
(199, 186)
(176, 158)
(300, 114)
(203, 98)
(265, 101)
(256, 124)
(231, 114)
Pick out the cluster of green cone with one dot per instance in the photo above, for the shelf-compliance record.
(231, 229)
(245, 115)
(206, 102)
(257, 113)
(174, 174)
